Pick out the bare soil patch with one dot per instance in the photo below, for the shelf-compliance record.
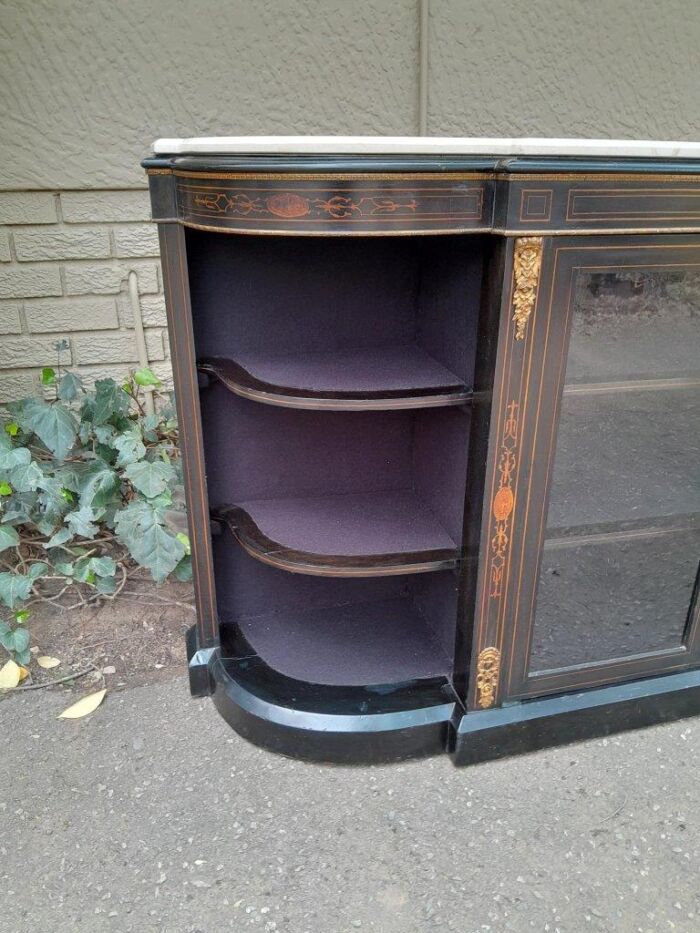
(137, 638)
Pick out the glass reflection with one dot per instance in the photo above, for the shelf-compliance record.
(620, 559)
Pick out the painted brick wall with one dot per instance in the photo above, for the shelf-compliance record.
(64, 261)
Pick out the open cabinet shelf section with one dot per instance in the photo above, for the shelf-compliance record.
(372, 378)
(350, 535)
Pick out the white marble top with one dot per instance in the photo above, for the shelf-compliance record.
(425, 145)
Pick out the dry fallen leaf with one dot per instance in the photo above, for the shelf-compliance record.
(47, 662)
(84, 707)
(10, 675)
(23, 672)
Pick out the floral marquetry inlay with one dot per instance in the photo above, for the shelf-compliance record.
(290, 205)
(526, 272)
(503, 500)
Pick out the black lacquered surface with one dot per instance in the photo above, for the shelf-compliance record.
(620, 560)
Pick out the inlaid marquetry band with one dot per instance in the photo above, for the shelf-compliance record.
(503, 501)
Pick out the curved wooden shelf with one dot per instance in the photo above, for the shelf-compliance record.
(350, 380)
(362, 535)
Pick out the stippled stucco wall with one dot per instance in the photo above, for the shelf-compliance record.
(85, 86)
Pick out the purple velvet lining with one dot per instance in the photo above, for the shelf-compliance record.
(370, 369)
(365, 643)
(335, 630)
(351, 524)
(355, 314)
(258, 296)
(256, 452)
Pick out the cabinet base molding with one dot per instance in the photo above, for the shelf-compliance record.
(573, 717)
(316, 722)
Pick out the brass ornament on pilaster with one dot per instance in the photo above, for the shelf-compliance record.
(488, 668)
(527, 261)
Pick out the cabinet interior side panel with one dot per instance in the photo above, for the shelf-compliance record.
(256, 451)
(448, 301)
(288, 295)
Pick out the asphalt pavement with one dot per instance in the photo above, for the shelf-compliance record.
(152, 815)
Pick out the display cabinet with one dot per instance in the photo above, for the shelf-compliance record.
(439, 406)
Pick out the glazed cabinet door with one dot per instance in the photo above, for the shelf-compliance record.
(593, 537)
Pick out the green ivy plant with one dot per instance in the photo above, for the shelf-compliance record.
(90, 487)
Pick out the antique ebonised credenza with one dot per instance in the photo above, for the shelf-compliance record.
(439, 404)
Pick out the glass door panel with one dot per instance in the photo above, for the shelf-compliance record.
(620, 556)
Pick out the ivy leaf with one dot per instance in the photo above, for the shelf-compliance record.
(140, 528)
(20, 638)
(14, 457)
(20, 507)
(81, 522)
(53, 424)
(104, 433)
(14, 588)
(146, 377)
(37, 569)
(88, 568)
(183, 571)
(52, 505)
(12, 428)
(8, 537)
(98, 485)
(26, 477)
(69, 387)
(158, 550)
(110, 399)
(64, 567)
(130, 447)
(5, 489)
(106, 585)
(150, 423)
(185, 541)
(150, 478)
(100, 566)
(48, 376)
(137, 516)
(62, 536)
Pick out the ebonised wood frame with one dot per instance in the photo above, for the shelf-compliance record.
(543, 214)
(529, 399)
(424, 195)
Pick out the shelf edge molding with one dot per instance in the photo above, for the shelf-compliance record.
(239, 381)
(245, 530)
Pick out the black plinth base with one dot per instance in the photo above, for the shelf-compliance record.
(319, 722)
(349, 725)
(369, 725)
(560, 720)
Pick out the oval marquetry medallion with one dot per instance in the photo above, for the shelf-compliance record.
(503, 503)
(288, 205)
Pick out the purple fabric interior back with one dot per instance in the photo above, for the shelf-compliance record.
(360, 523)
(288, 295)
(255, 451)
(270, 296)
(283, 617)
